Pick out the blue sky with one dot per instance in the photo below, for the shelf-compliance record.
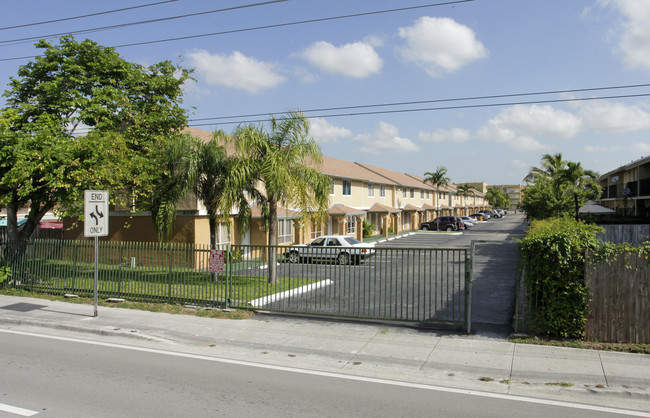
(442, 57)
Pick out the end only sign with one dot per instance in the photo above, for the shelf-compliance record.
(96, 213)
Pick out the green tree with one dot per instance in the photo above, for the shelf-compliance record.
(278, 169)
(497, 197)
(437, 179)
(177, 175)
(214, 168)
(580, 184)
(558, 188)
(465, 190)
(78, 117)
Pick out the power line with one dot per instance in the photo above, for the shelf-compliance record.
(409, 103)
(87, 15)
(273, 26)
(141, 22)
(301, 22)
(431, 109)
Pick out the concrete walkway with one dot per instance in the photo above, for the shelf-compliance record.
(384, 351)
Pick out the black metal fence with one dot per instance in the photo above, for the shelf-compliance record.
(405, 284)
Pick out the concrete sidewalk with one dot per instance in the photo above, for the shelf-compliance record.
(475, 362)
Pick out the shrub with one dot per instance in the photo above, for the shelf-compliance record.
(553, 253)
(368, 229)
(5, 273)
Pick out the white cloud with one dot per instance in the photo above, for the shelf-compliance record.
(442, 135)
(518, 126)
(634, 32)
(385, 139)
(236, 71)
(440, 45)
(610, 117)
(357, 60)
(519, 164)
(323, 131)
(539, 120)
(599, 148)
(640, 147)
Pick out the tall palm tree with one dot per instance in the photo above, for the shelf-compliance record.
(437, 179)
(277, 167)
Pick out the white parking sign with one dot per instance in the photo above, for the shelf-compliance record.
(96, 213)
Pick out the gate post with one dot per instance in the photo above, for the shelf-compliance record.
(469, 277)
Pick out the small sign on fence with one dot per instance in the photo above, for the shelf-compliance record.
(217, 261)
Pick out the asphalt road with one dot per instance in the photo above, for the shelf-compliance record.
(65, 377)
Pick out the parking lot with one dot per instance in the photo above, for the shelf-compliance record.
(418, 277)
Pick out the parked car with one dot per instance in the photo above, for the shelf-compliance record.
(501, 212)
(468, 222)
(443, 223)
(341, 249)
(484, 214)
(478, 216)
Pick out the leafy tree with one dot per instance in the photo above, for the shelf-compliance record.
(77, 117)
(559, 188)
(579, 183)
(497, 197)
(277, 169)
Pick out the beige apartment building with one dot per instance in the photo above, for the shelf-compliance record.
(390, 201)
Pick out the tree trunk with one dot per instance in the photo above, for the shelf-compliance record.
(273, 240)
(212, 221)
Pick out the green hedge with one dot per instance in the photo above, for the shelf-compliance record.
(553, 253)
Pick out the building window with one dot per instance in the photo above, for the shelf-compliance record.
(316, 231)
(371, 190)
(403, 192)
(332, 188)
(223, 235)
(421, 194)
(347, 188)
(412, 193)
(284, 231)
(352, 224)
(382, 191)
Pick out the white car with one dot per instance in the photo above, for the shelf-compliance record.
(341, 249)
(468, 222)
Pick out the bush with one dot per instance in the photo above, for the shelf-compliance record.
(368, 229)
(553, 254)
(5, 273)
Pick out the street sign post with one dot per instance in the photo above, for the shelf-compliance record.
(96, 224)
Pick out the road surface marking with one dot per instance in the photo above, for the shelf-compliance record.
(17, 411)
(343, 376)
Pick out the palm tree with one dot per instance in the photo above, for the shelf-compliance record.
(277, 168)
(437, 179)
(579, 183)
(176, 179)
(465, 190)
(213, 166)
(550, 166)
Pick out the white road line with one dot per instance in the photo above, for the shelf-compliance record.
(346, 377)
(17, 411)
